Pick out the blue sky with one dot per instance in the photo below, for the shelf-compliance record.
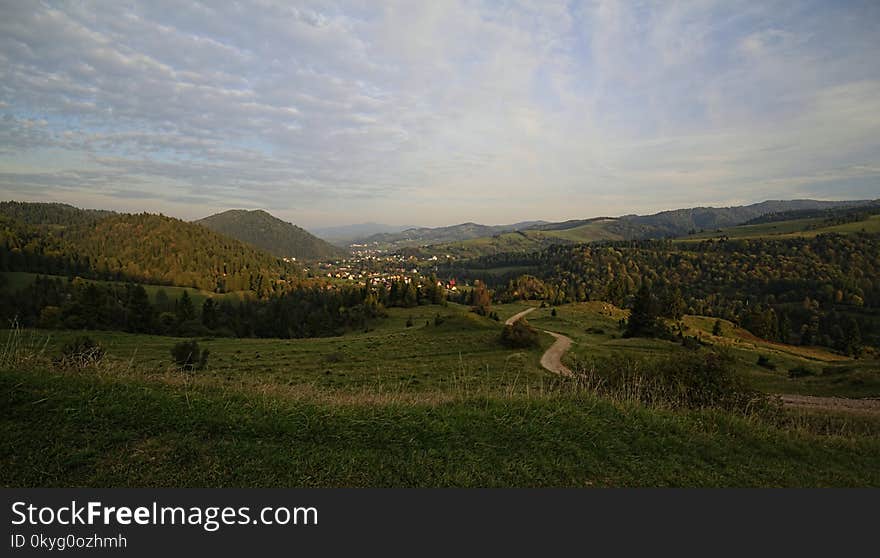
(436, 113)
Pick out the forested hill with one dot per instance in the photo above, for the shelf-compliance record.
(679, 221)
(33, 213)
(144, 248)
(271, 234)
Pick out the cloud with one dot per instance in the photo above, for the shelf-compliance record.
(405, 112)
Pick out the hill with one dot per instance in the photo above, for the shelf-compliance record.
(666, 224)
(145, 248)
(426, 235)
(801, 223)
(343, 235)
(34, 213)
(271, 234)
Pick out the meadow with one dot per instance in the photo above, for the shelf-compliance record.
(425, 405)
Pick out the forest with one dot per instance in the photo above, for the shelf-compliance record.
(823, 290)
(143, 248)
(308, 310)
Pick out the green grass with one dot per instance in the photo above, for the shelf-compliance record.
(427, 405)
(424, 357)
(87, 429)
(836, 375)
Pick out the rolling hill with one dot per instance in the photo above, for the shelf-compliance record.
(271, 234)
(666, 224)
(422, 236)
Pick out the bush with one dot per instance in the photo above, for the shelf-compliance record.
(553, 312)
(691, 342)
(697, 380)
(764, 362)
(82, 351)
(800, 371)
(519, 335)
(438, 319)
(188, 356)
(409, 322)
(595, 330)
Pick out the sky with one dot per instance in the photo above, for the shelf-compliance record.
(434, 113)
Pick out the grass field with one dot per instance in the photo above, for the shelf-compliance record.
(594, 327)
(427, 405)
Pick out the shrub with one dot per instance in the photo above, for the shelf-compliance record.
(438, 319)
(595, 330)
(764, 362)
(188, 356)
(82, 351)
(691, 342)
(553, 312)
(519, 335)
(409, 322)
(694, 380)
(800, 371)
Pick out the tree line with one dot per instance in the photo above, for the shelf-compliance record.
(823, 290)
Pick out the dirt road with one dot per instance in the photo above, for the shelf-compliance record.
(552, 358)
(515, 317)
(863, 406)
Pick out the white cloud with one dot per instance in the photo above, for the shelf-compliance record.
(405, 111)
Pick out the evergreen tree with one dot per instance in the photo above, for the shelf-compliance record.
(184, 309)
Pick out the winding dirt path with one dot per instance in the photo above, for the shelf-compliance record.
(551, 360)
(515, 317)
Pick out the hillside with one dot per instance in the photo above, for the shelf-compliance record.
(801, 223)
(666, 224)
(33, 213)
(343, 235)
(425, 235)
(271, 234)
(144, 248)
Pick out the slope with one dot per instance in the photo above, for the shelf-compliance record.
(271, 234)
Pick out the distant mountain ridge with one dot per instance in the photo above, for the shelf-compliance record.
(343, 234)
(269, 233)
(428, 235)
(665, 224)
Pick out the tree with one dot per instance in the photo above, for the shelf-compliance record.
(209, 314)
(644, 319)
(481, 299)
(184, 308)
(716, 329)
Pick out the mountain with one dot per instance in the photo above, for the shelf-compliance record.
(425, 235)
(344, 234)
(144, 248)
(666, 224)
(271, 234)
(680, 221)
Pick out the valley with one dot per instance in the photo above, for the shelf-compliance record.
(756, 364)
